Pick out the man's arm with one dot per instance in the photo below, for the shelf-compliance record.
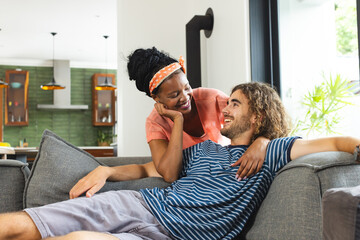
(96, 179)
(303, 147)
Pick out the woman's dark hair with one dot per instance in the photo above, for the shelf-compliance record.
(144, 63)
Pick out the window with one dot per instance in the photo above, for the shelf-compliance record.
(318, 41)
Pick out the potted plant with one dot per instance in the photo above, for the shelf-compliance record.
(322, 105)
(104, 138)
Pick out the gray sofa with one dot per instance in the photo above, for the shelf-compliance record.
(292, 209)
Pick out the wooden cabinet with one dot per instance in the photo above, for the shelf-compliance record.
(103, 101)
(16, 98)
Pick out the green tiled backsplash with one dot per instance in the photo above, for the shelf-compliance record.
(74, 126)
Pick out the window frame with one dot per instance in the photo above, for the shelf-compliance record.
(264, 42)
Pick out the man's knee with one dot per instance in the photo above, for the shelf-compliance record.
(17, 224)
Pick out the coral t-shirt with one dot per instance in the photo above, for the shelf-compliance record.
(209, 103)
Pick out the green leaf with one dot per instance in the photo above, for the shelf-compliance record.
(322, 104)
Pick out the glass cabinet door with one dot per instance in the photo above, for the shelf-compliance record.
(103, 101)
(16, 98)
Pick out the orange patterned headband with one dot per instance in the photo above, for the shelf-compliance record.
(163, 73)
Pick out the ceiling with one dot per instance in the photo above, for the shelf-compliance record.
(26, 26)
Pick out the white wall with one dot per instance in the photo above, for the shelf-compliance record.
(161, 23)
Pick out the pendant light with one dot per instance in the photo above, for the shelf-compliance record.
(106, 85)
(52, 85)
(3, 84)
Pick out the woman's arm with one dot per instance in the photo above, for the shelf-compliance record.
(96, 179)
(167, 161)
(253, 158)
(303, 147)
(167, 156)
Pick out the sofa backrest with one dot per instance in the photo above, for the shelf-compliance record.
(117, 161)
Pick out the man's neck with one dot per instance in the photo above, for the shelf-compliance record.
(244, 139)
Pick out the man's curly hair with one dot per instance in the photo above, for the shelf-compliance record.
(272, 119)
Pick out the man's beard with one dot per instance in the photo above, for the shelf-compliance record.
(237, 127)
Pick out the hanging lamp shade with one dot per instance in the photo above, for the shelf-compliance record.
(52, 85)
(106, 85)
(3, 84)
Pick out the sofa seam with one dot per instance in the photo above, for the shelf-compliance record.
(320, 200)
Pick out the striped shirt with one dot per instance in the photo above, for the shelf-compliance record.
(207, 202)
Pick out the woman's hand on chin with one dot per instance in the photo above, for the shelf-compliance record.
(165, 112)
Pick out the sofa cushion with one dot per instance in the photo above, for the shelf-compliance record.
(13, 175)
(59, 165)
(292, 207)
(341, 216)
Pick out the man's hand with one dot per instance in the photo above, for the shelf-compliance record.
(91, 183)
(252, 160)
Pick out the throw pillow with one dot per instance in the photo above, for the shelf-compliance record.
(59, 165)
(341, 215)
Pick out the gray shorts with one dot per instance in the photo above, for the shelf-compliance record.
(123, 214)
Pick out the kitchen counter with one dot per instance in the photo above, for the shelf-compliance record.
(4, 151)
(28, 154)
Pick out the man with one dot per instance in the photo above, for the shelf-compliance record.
(208, 201)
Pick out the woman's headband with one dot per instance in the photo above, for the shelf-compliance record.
(163, 73)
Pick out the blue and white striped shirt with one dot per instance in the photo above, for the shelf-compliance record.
(207, 202)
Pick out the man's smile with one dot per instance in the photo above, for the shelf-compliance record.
(227, 121)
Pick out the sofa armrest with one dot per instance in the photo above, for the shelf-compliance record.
(13, 175)
(292, 207)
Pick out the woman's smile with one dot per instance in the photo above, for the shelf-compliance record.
(185, 106)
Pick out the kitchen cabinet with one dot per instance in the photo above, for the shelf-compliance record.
(16, 98)
(103, 101)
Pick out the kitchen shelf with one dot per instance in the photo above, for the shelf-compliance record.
(16, 98)
(103, 101)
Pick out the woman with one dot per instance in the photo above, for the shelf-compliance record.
(182, 117)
